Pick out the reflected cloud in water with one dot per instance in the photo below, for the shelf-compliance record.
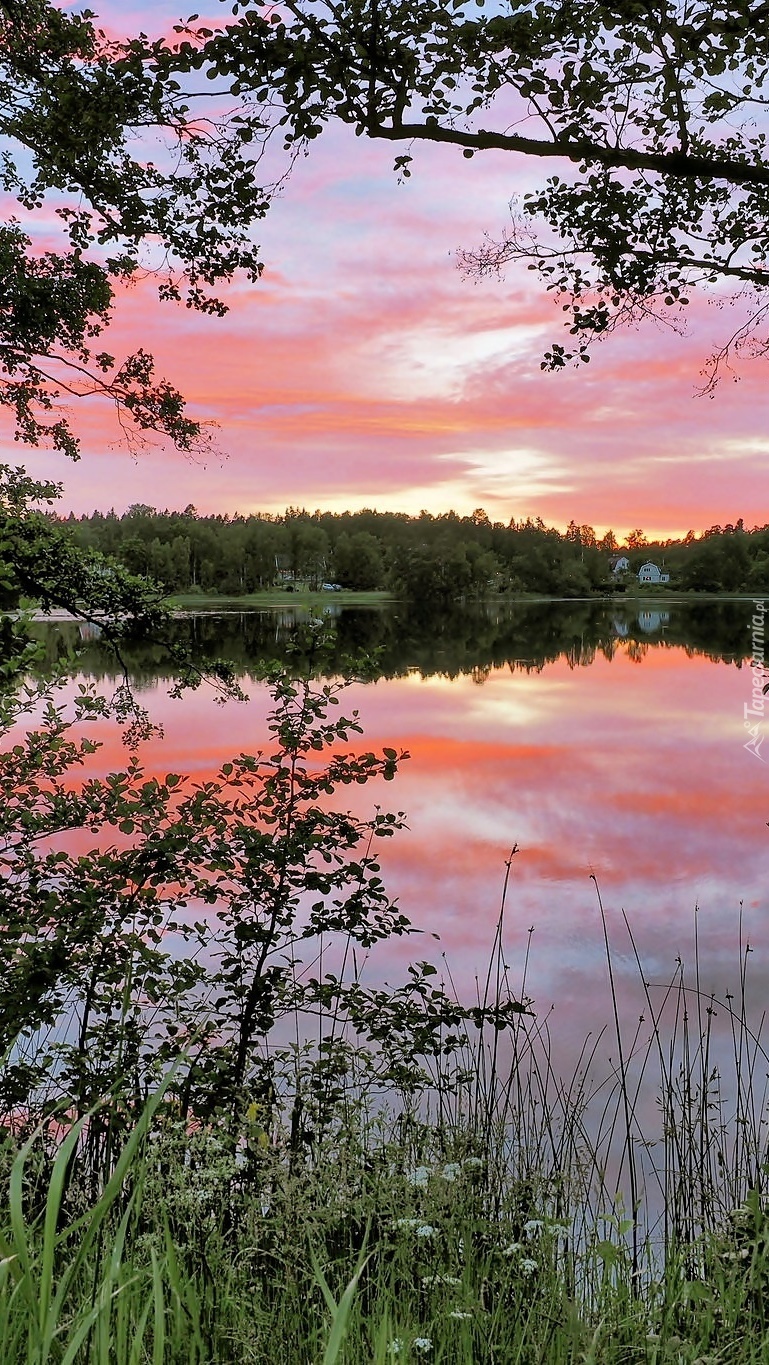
(602, 741)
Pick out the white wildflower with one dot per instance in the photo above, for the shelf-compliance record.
(415, 1225)
(533, 1226)
(422, 1344)
(451, 1170)
(460, 1315)
(528, 1266)
(395, 1347)
(420, 1176)
(440, 1279)
(472, 1163)
(512, 1248)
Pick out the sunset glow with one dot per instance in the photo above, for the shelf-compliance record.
(363, 370)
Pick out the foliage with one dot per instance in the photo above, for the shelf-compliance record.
(192, 925)
(650, 110)
(72, 105)
(42, 566)
(484, 1225)
(429, 560)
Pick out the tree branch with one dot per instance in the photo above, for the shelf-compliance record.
(676, 164)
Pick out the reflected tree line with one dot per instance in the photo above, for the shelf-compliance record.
(526, 637)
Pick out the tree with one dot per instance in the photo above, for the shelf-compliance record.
(307, 548)
(358, 561)
(647, 112)
(180, 933)
(636, 539)
(76, 114)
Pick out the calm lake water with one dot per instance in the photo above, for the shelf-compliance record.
(602, 741)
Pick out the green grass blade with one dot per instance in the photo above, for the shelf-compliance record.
(159, 1314)
(340, 1312)
(47, 1321)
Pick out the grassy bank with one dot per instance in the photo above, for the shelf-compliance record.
(276, 597)
(484, 1223)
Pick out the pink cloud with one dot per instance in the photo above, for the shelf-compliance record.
(364, 369)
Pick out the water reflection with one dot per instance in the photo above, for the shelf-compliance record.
(603, 743)
(523, 637)
(652, 621)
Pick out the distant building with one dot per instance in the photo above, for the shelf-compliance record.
(620, 565)
(649, 573)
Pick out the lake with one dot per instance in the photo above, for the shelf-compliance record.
(603, 741)
(608, 743)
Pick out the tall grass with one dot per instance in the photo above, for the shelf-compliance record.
(507, 1213)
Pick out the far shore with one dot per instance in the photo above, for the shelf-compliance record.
(277, 597)
(273, 598)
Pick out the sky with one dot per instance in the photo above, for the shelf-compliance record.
(364, 370)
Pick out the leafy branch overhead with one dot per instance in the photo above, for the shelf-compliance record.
(149, 152)
(137, 184)
(652, 114)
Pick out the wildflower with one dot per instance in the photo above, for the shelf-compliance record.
(395, 1347)
(440, 1279)
(451, 1170)
(528, 1266)
(415, 1225)
(422, 1344)
(533, 1225)
(420, 1176)
(512, 1248)
(472, 1163)
(460, 1315)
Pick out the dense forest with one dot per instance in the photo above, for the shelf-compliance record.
(429, 558)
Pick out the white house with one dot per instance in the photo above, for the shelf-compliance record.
(620, 565)
(649, 573)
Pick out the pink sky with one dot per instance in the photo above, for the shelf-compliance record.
(363, 370)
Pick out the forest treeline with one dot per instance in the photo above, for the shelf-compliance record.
(430, 558)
